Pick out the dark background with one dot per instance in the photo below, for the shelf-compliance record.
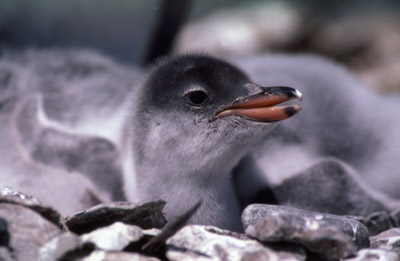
(124, 29)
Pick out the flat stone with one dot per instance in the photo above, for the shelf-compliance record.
(360, 219)
(393, 232)
(146, 215)
(195, 242)
(388, 240)
(8, 192)
(374, 254)
(114, 237)
(8, 195)
(389, 243)
(100, 255)
(28, 230)
(327, 235)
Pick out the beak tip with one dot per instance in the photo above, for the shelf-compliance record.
(292, 110)
(298, 95)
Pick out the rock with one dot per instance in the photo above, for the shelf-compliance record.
(383, 78)
(390, 243)
(368, 43)
(343, 193)
(360, 219)
(329, 236)
(288, 251)
(4, 234)
(374, 254)
(78, 253)
(8, 192)
(393, 232)
(157, 243)
(5, 254)
(99, 255)
(147, 215)
(379, 221)
(243, 31)
(27, 229)
(388, 240)
(195, 242)
(8, 195)
(114, 237)
(395, 214)
(58, 246)
(47, 184)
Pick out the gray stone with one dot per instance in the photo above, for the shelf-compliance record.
(5, 254)
(57, 247)
(361, 42)
(393, 232)
(197, 242)
(152, 232)
(329, 236)
(20, 199)
(389, 243)
(28, 230)
(146, 215)
(360, 219)
(263, 26)
(387, 240)
(99, 255)
(379, 221)
(4, 234)
(114, 237)
(8, 192)
(374, 254)
(157, 243)
(288, 251)
(395, 215)
(329, 187)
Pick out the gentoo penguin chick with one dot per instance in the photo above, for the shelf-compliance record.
(192, 119)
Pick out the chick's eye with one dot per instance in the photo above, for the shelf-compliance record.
(197, 98)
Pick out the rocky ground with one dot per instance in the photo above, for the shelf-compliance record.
(130, 231)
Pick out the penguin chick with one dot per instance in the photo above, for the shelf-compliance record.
(192, 119)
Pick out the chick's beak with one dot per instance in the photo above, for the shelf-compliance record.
(261, 106)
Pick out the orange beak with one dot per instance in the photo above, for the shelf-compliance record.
(261, 106)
